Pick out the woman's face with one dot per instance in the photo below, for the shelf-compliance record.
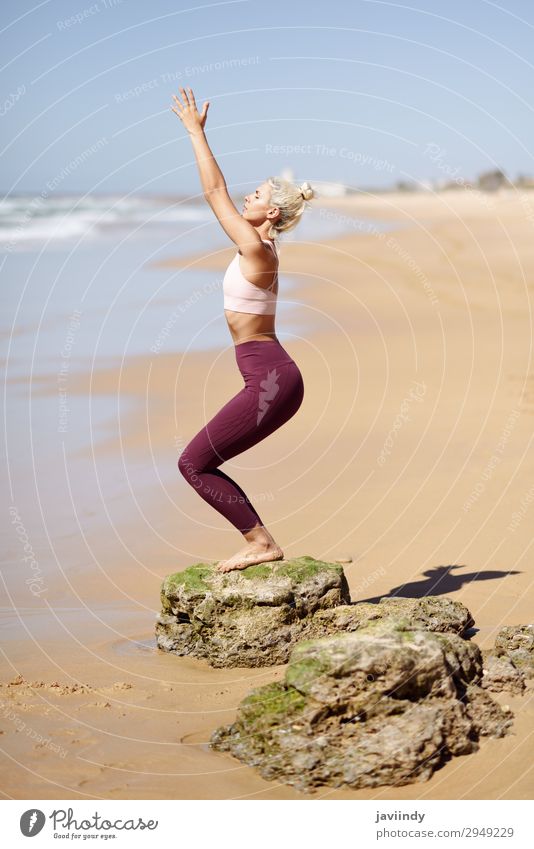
(257, 204)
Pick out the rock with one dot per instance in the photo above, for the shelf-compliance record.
(501, 674)
(249, 617)
(381, 705)
(517, 643)
(431, 613)
(488, 717)
(254, 617)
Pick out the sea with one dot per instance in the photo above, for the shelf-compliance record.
(91, 260)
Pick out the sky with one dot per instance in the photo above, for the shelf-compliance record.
(361, 92)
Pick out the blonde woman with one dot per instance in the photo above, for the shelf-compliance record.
(274, 388)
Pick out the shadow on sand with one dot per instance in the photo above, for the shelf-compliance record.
(440, 581)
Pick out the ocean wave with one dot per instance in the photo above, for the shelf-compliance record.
(36, 220)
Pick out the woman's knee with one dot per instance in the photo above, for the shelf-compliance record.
(187, 467)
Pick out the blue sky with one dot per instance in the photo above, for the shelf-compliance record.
(362, 92)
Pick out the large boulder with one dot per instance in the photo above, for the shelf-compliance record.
(249, 617)
(384, 704)
(255, 616)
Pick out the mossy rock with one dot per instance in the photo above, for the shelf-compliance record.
(248, 617)
(383, 705)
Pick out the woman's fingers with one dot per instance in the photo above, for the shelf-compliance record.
(187, 110)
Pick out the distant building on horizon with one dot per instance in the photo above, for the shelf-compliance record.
(525, 181)
(490, 181)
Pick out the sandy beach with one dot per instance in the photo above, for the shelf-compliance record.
(411, 455)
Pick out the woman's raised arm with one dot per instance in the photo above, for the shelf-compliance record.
(213, 183)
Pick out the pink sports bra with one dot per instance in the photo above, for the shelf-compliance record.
(241, 295)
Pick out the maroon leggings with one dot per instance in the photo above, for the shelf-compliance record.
(272, 394)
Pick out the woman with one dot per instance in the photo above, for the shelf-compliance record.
(274, 389)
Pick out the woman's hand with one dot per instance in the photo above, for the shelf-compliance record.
(187, 112)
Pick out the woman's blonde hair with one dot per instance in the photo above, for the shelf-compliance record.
(291, 199)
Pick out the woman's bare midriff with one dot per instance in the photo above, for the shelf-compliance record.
(245, 327)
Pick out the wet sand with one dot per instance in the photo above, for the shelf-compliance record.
(411, 454)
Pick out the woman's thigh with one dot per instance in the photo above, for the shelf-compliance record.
(214, 443)
(255, 412)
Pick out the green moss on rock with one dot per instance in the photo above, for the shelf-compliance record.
(270, 703)
(193, 579)
(301, 673)
(299, 569)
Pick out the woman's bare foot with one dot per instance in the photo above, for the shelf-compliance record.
(250, 555)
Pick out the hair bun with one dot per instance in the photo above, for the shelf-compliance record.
(306, 191)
